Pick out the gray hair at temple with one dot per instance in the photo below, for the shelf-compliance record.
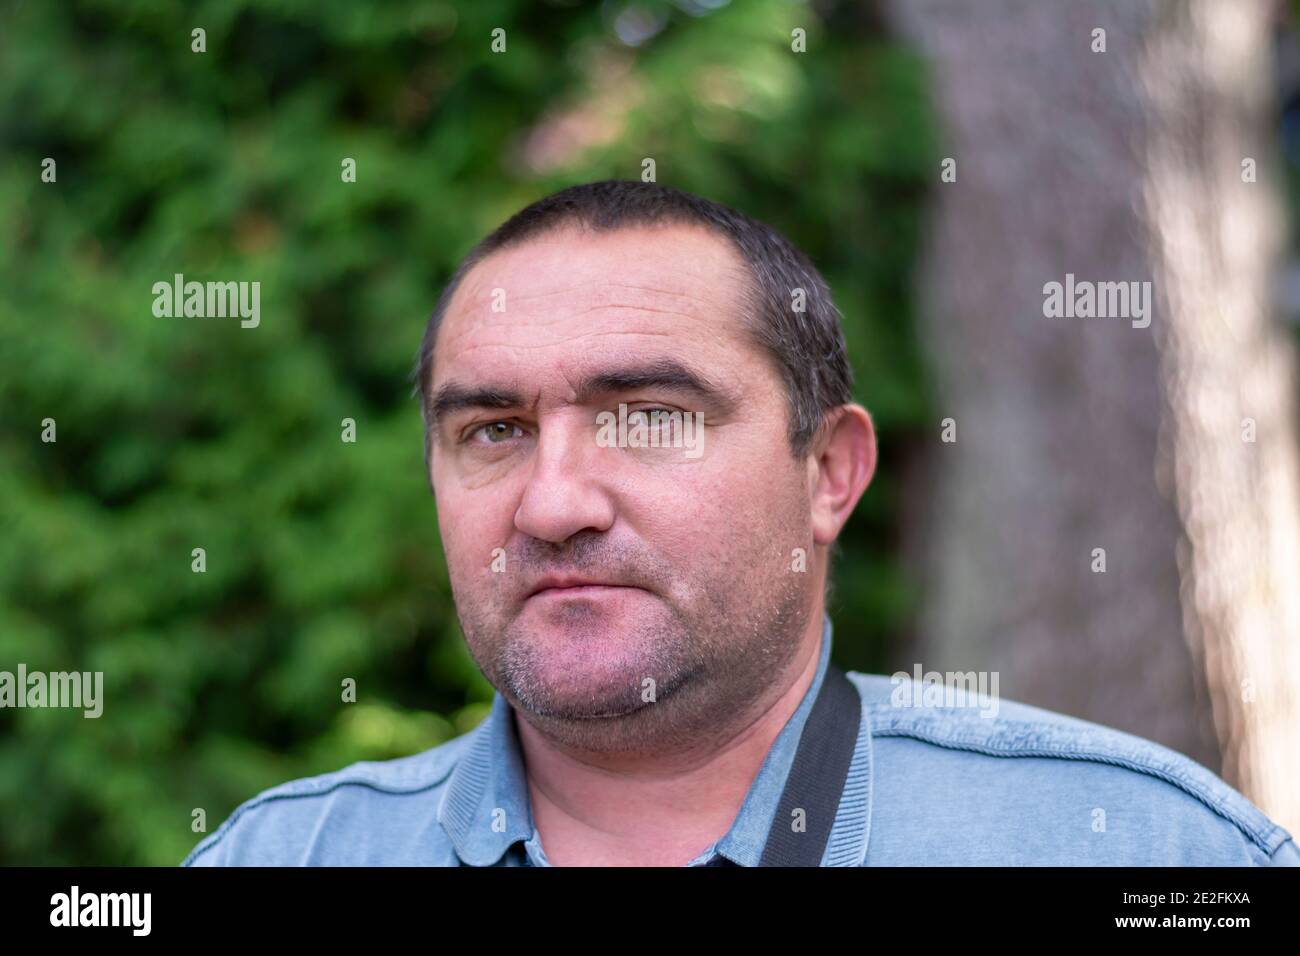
(807, 346)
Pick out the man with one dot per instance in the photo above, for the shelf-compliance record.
(642, 445)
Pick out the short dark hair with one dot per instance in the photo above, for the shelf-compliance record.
(807, 346)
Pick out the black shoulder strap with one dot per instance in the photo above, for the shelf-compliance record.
(817, 775)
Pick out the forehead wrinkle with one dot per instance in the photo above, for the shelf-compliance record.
(568, 339)
(710, 317)
(504, 373)
(597, 292)
(473, 337)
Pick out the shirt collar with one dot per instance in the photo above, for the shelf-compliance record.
(486, 809)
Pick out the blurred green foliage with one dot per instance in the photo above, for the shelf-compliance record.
(323, 559)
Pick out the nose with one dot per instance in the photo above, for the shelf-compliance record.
(564, 493)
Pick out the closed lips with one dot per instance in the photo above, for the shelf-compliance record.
(563, 584)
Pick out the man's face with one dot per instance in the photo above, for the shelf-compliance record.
(690, 606)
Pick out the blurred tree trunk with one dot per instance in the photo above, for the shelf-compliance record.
(1082, 433)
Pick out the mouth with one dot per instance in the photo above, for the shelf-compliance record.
(575, 587)
(580, 589)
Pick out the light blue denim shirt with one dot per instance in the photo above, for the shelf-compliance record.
(1010, 785)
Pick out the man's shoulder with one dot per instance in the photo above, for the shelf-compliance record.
(363, 812)
(1006, 782)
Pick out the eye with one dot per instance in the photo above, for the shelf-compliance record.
(496, 432)
(647, 415)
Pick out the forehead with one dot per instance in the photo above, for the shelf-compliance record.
(572, 293)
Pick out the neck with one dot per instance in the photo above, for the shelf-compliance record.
(607, 810)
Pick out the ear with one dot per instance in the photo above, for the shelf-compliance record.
(841, 465)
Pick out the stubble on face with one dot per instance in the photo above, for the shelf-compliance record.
(713, 646)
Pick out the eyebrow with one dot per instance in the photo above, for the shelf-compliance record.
(664, 373)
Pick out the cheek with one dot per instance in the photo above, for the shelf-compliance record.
(724, 526)
(473, 525)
